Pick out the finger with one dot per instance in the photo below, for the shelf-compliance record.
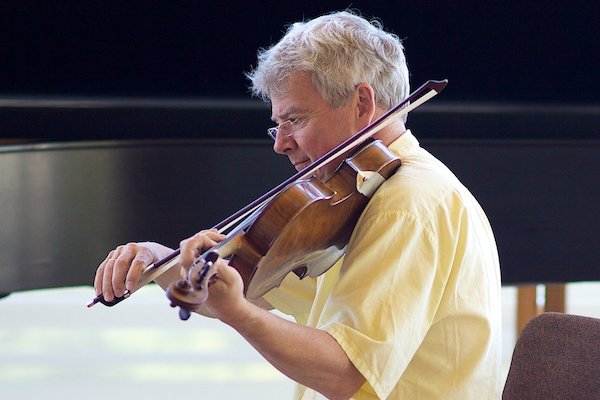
(192, 247)
(107, 286)
(142, 259)
(99, 277)
(225, 278)
(121, 268)
(215, 235)
(225, 274)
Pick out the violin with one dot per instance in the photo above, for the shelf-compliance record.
(302, 225)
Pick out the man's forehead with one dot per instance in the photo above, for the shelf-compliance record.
(298, 96)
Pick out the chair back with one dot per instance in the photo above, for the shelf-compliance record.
(557, 356)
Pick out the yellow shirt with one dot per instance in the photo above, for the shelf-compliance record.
(415, 301)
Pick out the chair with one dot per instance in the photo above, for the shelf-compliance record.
(557, 356)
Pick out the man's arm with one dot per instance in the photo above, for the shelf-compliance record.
(309, 356)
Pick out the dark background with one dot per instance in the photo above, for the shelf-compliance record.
(491, 51)
(519, 121)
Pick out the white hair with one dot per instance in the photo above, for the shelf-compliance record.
(339, 50)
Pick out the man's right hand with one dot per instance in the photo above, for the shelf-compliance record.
(123, 267)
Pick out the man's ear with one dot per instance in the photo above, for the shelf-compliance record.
(365, 103)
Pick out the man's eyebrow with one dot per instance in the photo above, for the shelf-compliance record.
(286, 114)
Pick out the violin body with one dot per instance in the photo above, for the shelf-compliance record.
(306, 227)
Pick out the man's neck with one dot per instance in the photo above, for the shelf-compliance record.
(390, 133)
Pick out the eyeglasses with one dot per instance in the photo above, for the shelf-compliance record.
(292, 125)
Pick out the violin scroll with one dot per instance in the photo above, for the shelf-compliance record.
(188, 294)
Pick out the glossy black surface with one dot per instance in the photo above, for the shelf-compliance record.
(65, 205)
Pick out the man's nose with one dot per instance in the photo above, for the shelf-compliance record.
(283, 143)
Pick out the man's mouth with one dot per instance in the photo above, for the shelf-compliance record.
(300, 165)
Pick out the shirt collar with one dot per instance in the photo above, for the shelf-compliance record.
(404, 144)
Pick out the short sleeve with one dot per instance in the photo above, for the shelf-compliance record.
(294, 297)
(386, 297)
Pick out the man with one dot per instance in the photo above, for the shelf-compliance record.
(412, 310)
